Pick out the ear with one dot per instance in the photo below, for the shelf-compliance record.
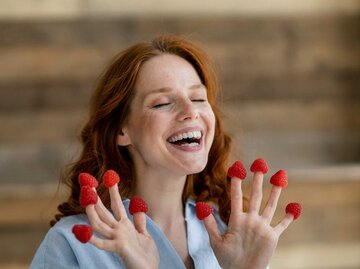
(123, 138)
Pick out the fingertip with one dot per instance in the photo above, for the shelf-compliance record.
(87, 196)
(137, 205)
(280, 179)
(203, 210)
(82, 232)
(111, 178)
(139, 219)
(237, 170)
(259, 165)
(209, 219)
(294, 209)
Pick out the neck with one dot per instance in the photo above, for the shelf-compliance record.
(163, 194)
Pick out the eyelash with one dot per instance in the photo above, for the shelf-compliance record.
(161, 105)
(166, 104)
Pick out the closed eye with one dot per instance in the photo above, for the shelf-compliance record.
(198, 100)
(161, 105)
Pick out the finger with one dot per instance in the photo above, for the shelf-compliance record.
(104, 214)
(236, 200)
(108, 245)
(256, 192)
(117, 205)
(236, 196)
(97, 224)
(271, 204)
(212, 229)
(140, 223)
(284, 223)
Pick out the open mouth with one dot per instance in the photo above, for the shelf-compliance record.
(189, 139)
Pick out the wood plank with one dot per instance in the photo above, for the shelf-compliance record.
(317, 256)
(326, 117)
(287, 116)
(129, 29)
(42, 126)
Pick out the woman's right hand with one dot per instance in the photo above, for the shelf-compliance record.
(130, 241)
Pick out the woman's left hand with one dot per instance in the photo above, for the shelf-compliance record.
(249, 241)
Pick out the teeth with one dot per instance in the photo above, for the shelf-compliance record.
(194, 134)
(190, 145)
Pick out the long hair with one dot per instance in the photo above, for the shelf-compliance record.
(108, 112)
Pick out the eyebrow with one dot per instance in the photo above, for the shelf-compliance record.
(168, 89)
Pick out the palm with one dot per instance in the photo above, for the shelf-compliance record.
(234, 250)
(130, 240)
(137, 249)
(249, 241)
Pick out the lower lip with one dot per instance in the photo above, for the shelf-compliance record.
(188, 148)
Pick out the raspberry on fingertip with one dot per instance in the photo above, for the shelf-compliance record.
(237, 170)
(87, 196)
(111, 178)
(203, 210)
(137, 205)
(259, 165)
(82, 232)
(294, 209)
(85, 179)
(279, 179)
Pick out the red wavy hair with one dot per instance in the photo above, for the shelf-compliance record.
(109, 110)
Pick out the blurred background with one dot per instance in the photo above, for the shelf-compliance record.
(291, 77)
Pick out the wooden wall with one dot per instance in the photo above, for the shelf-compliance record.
(291, 95)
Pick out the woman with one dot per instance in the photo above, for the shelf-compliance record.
(155, 120)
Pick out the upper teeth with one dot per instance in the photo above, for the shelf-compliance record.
(195, 134)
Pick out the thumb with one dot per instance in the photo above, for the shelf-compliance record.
(212, 229)
(140, 222)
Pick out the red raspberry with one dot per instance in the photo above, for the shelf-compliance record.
(279, 179)
(294, 209)
(87, 196)
(82, 232)
(203, 210)
(237, 170)
(85, 179)
(259, 165)
(137, 205)
(111, 178)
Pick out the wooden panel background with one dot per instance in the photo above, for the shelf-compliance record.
(291, 95)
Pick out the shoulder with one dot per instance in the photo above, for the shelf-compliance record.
(60, 249)
(62, 230)
(55, 250)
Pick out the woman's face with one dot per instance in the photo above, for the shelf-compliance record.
(171, 125)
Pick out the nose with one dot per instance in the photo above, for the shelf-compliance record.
(188, 111)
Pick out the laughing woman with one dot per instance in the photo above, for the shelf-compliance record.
(155, 122)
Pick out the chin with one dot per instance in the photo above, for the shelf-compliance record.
(195, 168)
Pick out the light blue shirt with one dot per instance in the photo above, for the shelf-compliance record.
(60, 249)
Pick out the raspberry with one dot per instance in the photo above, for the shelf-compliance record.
(82, 232)
(203, 210)
(259, 165)
(111, 178)
(237, 170)
(293, 209)
(87, 196)
(279, 179)
(137, 205)
(85, 179)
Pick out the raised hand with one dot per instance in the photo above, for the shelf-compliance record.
(249, 241)
(130, 241)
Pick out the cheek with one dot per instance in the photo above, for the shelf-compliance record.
(210, 118)
(151, 124)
